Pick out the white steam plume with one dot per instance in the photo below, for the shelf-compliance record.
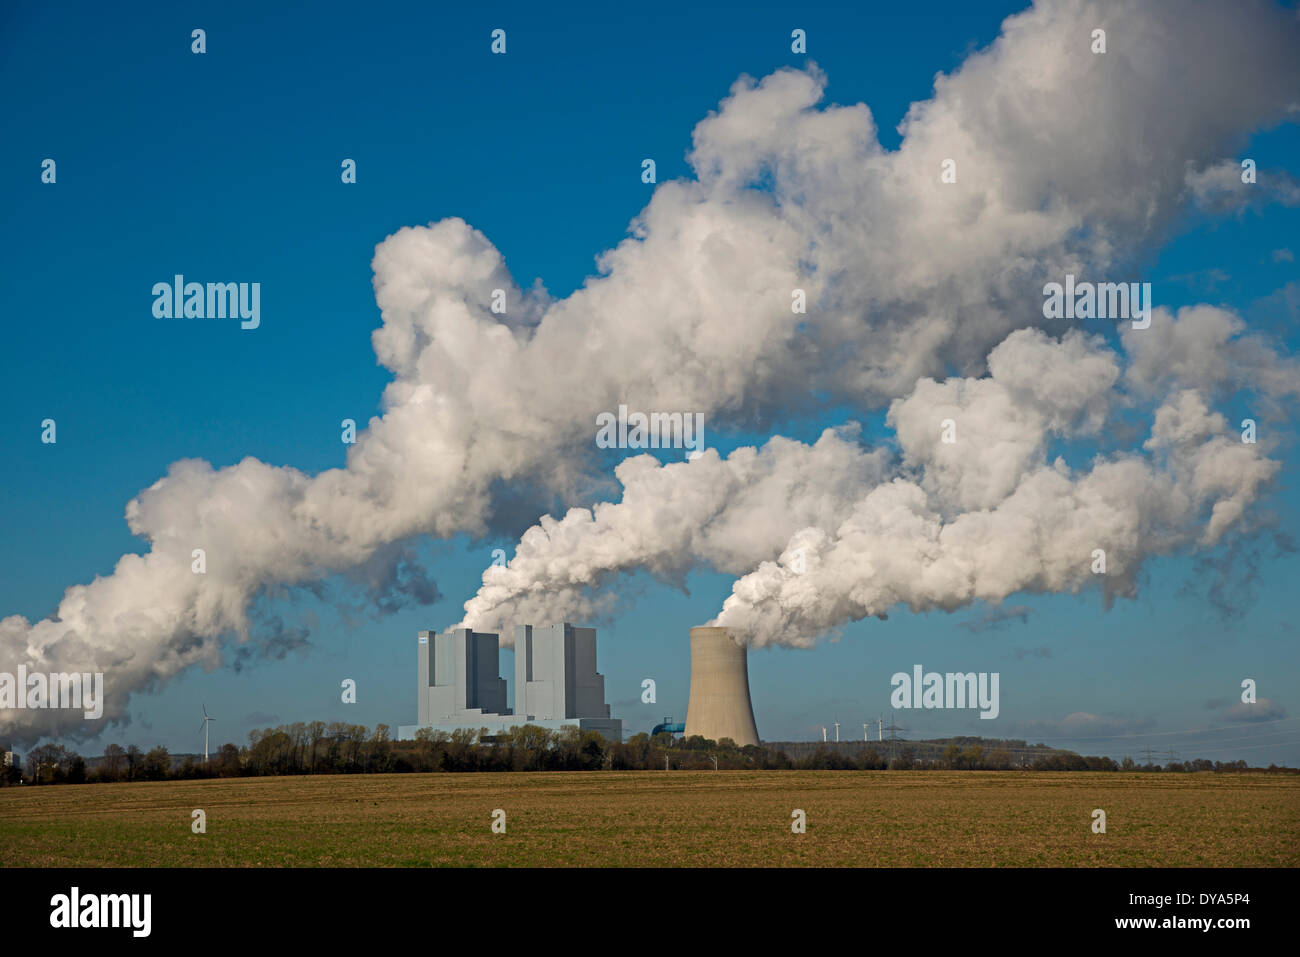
(970, 527)
(723, 512)
(980, 518)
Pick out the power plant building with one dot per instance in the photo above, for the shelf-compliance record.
(460, 675)
(555, 674)
(556, 682)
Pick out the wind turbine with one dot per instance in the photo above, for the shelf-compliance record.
(823, 734)
(837, 732)
(204, 729)
(864, 732)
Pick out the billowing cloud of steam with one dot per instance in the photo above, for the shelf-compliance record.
(970, 526)
(943, 525)
(727, 513)
(1065, 161)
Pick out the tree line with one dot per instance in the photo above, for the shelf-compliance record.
(339, 748)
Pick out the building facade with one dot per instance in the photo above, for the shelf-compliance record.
(556, 682)
(459, 676)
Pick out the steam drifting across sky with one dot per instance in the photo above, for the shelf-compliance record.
(923, 299)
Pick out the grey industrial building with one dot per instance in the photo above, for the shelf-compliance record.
(556, 683)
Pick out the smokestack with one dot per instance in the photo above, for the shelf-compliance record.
(719, 705)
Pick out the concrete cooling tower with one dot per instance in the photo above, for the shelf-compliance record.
(719, 705)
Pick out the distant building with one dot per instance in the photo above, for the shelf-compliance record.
(9, 759)
(556, 682)
(556, 679)
(459, 677)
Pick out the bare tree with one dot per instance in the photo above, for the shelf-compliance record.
(114, 759)
(315, 732)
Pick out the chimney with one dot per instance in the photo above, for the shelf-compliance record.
(719, 705)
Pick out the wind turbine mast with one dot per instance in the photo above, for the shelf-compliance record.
(206, 722)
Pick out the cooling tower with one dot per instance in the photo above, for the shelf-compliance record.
(719, 705)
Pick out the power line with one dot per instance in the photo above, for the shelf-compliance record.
(1135, 734)
(1153, 734)
(1250, 747)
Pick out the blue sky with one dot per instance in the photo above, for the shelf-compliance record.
(227, 164)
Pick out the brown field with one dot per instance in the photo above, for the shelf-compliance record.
(674, 819)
